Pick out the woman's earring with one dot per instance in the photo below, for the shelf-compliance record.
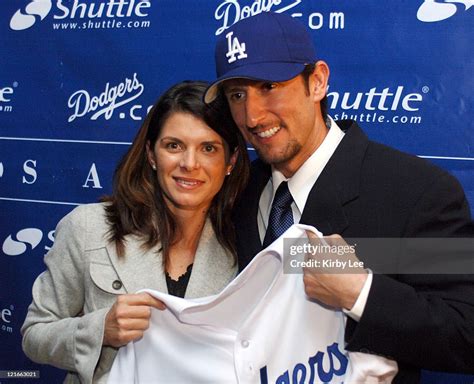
(154, 167)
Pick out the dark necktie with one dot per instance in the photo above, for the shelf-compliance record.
(281, 215)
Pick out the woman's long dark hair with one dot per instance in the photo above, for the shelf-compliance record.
(137, 205)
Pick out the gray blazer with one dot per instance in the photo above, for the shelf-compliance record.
(65, 322)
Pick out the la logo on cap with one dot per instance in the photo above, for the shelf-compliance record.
(234, 47)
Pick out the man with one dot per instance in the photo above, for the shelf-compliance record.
(342, 183)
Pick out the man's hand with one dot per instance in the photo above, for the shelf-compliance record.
(128, 318)
(333, 283)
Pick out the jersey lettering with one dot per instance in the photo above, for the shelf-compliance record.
(336, 359)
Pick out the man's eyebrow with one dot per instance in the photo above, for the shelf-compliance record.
(232, 87)
(239, 83)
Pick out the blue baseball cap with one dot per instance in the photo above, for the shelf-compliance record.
(266, 47)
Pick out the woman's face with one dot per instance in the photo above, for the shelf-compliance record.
(190, 160)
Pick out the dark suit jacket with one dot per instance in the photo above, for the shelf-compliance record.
(370, 190)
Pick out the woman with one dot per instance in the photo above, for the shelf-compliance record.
(166, 227)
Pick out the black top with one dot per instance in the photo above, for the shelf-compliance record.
(178, 287)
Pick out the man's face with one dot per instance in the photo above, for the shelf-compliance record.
(282, 120)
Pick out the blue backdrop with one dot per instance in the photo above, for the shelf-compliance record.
(77, 78)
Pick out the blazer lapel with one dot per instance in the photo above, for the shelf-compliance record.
(139, 269)
(213, 267)
(338, 184)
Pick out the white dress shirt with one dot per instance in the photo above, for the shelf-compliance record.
(300, 185)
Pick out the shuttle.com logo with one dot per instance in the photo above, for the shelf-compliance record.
(83, 14)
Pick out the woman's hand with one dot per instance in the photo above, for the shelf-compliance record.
(128, 318)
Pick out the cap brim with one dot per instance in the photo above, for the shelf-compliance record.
(259, 71)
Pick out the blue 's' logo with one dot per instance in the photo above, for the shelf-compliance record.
(24, 20)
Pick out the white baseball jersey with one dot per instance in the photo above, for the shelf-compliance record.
(261, 328)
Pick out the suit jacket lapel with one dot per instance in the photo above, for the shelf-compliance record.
(246, 211)
(338, 184)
